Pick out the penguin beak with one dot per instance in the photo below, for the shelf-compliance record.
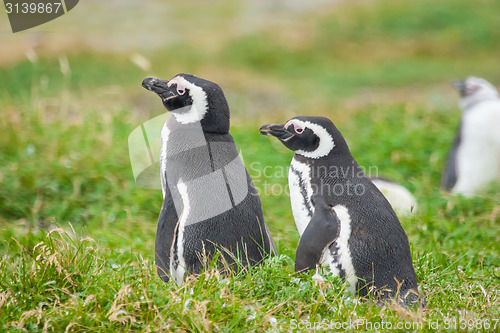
(461, 87)
(277, 130)
(160, 87)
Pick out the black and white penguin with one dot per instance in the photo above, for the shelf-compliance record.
(209, 201)
(474, 158)
(371, 250)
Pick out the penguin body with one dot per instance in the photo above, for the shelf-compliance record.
(474, 158)
(209, 201)
(371, 249)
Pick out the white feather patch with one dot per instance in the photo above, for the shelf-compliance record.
(344, 253)
(326, 143)
(163, 158)
(178, 270)
(299, 182)
(482, 91)
(401, 200)
(478, 156)
(199, 107)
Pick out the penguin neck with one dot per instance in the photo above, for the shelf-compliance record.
(335, 165)
(174, 126)
(468, 102)
(216, 122)
(216, 119)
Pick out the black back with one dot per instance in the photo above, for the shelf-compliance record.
(239, 232)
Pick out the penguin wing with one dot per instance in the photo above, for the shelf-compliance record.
(321, 232)
(165, 235)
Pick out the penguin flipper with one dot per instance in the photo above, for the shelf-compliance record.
(320, 233)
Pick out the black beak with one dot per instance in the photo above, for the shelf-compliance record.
(277, 130)
(160, 87)
(460, 86)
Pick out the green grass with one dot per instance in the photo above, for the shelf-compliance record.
(77, 234)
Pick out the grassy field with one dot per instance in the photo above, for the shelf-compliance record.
(77, 233)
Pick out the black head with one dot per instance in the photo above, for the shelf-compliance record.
(311, 137)
(192, 99)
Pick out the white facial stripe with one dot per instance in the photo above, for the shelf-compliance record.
(199, 107)
(326, 143)
(170, 97)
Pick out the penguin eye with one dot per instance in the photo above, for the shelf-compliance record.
(296, 127)
(180, 89)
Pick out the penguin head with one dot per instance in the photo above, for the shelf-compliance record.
(311, 137)
(473, 90)
(192, 99)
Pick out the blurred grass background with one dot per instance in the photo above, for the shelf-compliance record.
(70, 95)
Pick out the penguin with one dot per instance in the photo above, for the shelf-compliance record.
(474, 159)
(210, 204)
(320, 233)
(402, 201)
(371, 250)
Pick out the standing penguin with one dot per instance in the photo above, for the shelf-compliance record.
(371, 249)
(209, 201)
(474, 158)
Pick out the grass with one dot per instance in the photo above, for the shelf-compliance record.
(77, 234)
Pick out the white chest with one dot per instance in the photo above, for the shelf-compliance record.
(478, 156)
(338, 257)
(163, 158)
(177, 268)
(299, 181)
